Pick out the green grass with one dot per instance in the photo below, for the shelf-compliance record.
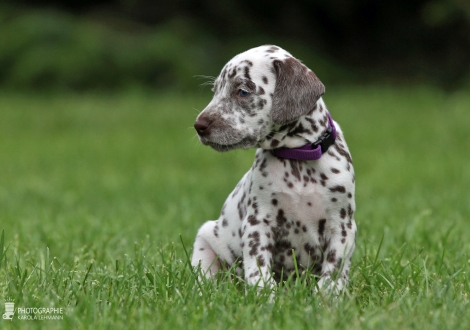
(100, 195)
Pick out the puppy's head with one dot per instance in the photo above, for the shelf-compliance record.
(258, 90)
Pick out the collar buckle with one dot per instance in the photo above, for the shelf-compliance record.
(325, 141)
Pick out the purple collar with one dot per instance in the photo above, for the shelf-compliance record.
(311, 151)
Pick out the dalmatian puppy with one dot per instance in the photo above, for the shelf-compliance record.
(296, 203)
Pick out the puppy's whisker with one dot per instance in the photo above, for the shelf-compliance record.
(210, 81)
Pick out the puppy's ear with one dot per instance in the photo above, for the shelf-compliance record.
(296, 92)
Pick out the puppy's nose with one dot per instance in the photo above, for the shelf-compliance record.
(202, 126)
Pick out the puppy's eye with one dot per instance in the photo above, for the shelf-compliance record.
(243, 93)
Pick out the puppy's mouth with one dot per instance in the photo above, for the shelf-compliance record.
(245, 143)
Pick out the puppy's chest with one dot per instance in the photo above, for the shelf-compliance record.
(291, 196)
(290, 215)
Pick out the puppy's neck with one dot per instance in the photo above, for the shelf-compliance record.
(306, 129)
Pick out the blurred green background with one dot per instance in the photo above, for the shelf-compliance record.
(103, 180)
(86, 45)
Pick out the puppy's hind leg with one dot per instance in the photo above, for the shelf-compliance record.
(204, 255)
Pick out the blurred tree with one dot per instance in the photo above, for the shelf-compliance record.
(419, 39)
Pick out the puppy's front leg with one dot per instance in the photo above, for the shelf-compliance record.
(258, 247)
(338, 254)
